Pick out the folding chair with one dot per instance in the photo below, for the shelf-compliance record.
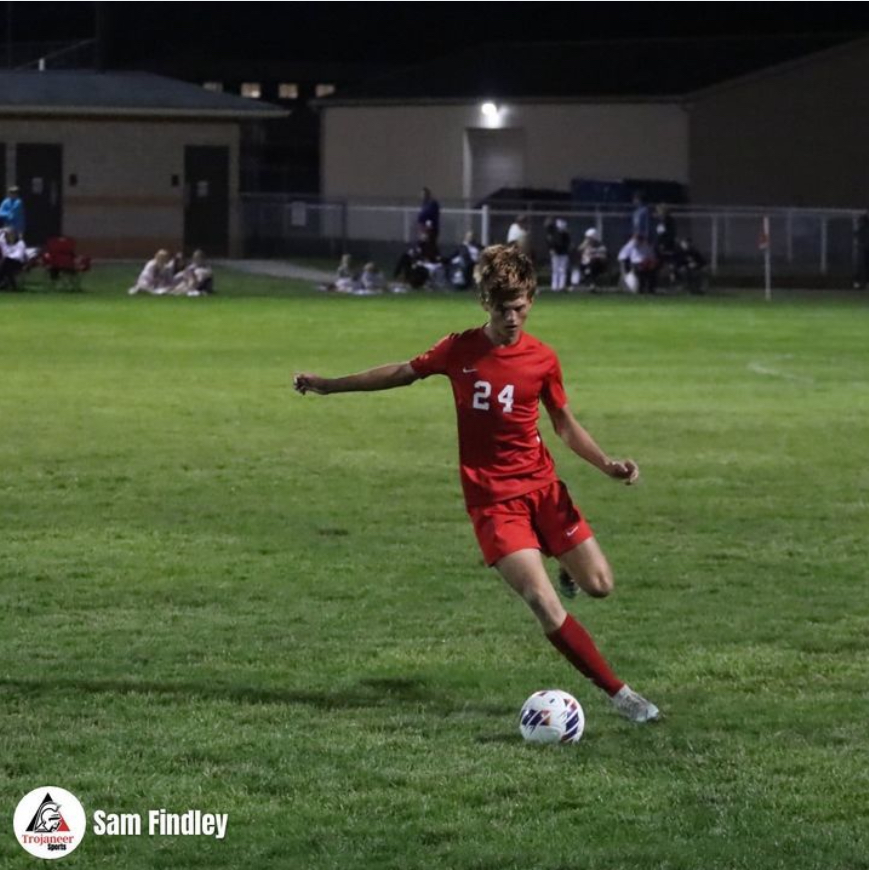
(63, 264)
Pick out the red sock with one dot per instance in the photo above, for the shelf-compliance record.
(576, 645)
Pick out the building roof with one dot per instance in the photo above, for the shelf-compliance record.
(94, 93)
(602, 69)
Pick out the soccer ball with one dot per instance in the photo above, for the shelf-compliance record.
(551, 716)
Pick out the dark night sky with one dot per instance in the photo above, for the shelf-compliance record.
(398, 32)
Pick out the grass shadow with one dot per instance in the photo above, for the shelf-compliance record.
(370, 693)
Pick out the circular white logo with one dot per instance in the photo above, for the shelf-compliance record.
(49, 822)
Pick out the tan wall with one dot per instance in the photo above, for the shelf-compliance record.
(393, 151)
(797, 137)
(124, 204)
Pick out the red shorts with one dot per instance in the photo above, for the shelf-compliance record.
(545, 519)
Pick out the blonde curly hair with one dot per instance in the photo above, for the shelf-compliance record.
(504, 273)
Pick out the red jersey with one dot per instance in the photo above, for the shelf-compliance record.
(497, 390)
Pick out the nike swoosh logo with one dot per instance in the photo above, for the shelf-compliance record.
(571, 532)
(467, 371)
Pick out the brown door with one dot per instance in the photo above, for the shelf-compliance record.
(206, 199)
(39, 175)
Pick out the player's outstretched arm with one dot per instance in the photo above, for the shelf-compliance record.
(575, 436)
(379, 378)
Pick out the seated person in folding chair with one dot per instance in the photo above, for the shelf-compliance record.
(14, 253)
(690, 266)
(593, 260)
(639, 266)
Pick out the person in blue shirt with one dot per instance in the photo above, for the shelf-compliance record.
(641, 218)
(12, 211)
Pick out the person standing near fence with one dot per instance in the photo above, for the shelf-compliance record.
(519, 234)
(641, 217)
(558, 241)
(12, 211)
(429, 218)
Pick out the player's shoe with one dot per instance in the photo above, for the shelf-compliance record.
(566, 584)
(634, 707)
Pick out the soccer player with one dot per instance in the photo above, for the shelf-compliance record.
(518, 506)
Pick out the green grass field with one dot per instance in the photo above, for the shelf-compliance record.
(217, 594)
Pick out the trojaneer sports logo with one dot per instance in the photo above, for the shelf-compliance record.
(49, 822)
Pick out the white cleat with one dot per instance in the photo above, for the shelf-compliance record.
(634, 707)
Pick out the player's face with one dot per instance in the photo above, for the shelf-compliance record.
(506, 319)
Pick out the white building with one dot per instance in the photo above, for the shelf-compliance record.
(124, 162)
(539, 116)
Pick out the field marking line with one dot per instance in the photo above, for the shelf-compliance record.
(760, 369)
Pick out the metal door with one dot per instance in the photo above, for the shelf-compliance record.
(206, 199)
(497, 160)
(39, 175)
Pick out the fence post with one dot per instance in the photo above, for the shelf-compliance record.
(766, 246)
(343, 226)
(485, 218)
(406, 215)
(824, 242)
(714, 254)
(598, 222)
(790, 235)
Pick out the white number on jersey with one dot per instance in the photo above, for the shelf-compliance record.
(482, 391)
(505, 397)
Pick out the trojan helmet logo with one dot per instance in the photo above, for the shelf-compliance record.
(48, 818)
(49, 822)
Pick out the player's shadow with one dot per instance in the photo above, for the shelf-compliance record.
(369, 693)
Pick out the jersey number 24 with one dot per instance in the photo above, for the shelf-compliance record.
(482, 392)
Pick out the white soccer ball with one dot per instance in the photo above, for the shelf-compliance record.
(551, 716)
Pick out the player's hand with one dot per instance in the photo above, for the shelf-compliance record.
(627, 470)
(307, 383)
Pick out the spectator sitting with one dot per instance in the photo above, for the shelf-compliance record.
(463, 261)
(156, 277)
(592, 260)
(345, 279)
(639, 268)
(421, 266)
(203, 274)
(410, 269)
(371, 281)
(665, 239)
(12, 211)
(194, 279)
(14, 254)
(690, 267)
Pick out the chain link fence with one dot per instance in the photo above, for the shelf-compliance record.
(810, 247)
